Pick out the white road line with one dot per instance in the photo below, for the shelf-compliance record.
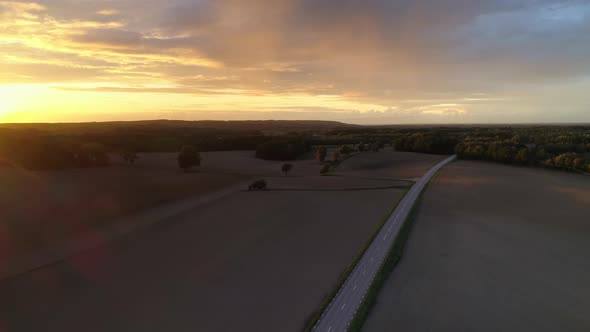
(344, 305)
(329, 328)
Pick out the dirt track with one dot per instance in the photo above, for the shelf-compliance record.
(494, 248)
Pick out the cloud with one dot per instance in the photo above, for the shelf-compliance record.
(411, 56)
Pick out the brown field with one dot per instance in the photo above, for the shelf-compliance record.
(494, 248)
(251, 261)
(389, 165)
(40, 208)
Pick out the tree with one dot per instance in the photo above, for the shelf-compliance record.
(188, 157)
(286, 168)
(321, 154)
(522, 157)
(345, 150)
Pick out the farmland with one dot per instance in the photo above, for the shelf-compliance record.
(262, 258)
(493, 248)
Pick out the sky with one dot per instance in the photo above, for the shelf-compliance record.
(357, 61)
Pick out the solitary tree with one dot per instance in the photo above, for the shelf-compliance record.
(321, 154)
(188, 157)
(286, 168)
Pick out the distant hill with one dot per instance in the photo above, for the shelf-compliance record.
(267, 127)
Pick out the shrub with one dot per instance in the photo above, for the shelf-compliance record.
(325, 169)
(188, 158)
(346, 150)
(258, 185)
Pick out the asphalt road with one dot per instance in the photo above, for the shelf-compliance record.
(344, 306)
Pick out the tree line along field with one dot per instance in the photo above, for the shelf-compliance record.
(58, 146)
(493, 248)
(234, 257)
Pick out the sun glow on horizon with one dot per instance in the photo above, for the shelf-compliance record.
(94, 61)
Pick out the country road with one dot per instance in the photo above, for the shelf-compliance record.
(345, 304)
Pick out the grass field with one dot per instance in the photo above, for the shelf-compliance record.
(494, 248)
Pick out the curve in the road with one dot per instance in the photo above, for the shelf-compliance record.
(342, 310)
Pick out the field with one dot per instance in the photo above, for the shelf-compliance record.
(39, 208)
(248, 261)
(494, 248)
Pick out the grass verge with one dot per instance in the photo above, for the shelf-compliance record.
(316, 315)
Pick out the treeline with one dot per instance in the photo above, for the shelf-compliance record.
(40, 151)
(283, 148)
(562, 148)
(434, 143)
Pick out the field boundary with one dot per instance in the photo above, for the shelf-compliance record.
(122, 226)
(344, 189)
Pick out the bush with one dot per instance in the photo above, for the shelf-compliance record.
(325, 169)
(188, 158)
(257, 185)
(346, 150)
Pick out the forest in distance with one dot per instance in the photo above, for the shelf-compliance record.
(62, 146)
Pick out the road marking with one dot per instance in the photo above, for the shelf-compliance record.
(329, 328)
(344, 305)
(354, 288)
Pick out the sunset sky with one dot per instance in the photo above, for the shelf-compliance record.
(358, 61)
